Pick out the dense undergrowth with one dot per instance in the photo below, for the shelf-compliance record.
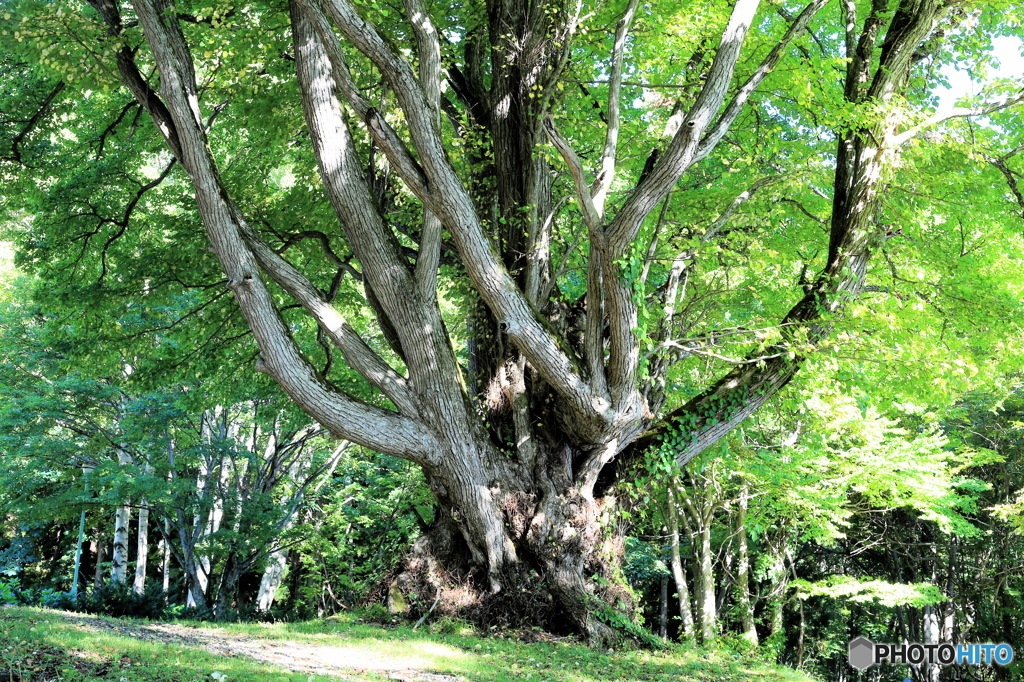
(121, 600)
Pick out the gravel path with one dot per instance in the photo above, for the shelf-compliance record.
(302, 657)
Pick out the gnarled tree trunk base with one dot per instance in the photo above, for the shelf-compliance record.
(565, 582)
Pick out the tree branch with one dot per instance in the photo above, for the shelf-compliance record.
(280, 357)
(680, 153)
(957, 112)
(599, 191)
(40, 112)
(428, 50)
(727, 118)
(450, 201)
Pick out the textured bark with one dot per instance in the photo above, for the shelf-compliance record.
(517, 450)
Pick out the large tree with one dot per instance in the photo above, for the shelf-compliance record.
(527, 235)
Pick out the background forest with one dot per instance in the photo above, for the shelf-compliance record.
(875, 487)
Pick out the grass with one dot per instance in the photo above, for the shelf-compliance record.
(38, 644)
(39, 640)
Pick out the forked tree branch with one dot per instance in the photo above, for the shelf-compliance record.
(280, 357)
(450, 201)
(735, 106)
(356, 352)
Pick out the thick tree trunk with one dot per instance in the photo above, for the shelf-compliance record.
(516, 478)
(227, 589)
(195, 578)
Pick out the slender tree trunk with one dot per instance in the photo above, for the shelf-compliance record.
(199, 570)
(142, 553)
(743, 570)
(119, 558)
(97, 580)
(663, 611)
(142, 544)
(678, 574)
(931, 636)
(949, 608)
(778, 595)
(273, 575)
(708, 615)
(122, 519)
(164, 550)
(800, 638)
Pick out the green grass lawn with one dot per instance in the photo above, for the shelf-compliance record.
(36, 644)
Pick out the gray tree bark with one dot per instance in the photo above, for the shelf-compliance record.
(567, 413)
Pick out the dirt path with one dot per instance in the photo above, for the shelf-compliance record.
(302, 657)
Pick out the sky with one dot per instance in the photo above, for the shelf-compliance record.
(1010, 53)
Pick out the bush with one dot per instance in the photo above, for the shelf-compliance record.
(180, 612)
(10, 591)
(120, 599)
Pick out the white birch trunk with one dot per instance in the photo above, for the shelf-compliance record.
(273, 576)
(122, 517)
(202, 562)
(165, 563)
(142, 544)
(678, 575)
(142, 550)
(708, 611)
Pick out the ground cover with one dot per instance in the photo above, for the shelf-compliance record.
(39, 645)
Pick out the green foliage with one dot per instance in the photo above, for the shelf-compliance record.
(121, 600)
(644, 563)
(876, 591)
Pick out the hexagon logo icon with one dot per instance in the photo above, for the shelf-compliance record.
(861, 653)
